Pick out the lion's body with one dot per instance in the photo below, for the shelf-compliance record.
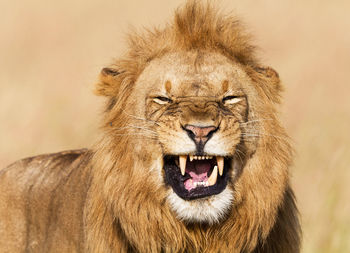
(42, 202)
(129, 193)
(45, 200)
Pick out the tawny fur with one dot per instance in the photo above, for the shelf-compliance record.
(108, 199)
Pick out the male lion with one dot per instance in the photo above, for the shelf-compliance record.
(193, 157)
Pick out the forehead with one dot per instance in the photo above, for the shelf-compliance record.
(192, 74)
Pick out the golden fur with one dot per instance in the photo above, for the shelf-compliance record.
(113, 198)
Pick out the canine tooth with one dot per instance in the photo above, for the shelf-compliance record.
(191, 158)
(183, 159)
(220, 162)
(213, 177)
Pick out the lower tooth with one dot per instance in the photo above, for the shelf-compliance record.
(196, 184)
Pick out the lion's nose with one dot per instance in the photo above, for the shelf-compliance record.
(200, 134)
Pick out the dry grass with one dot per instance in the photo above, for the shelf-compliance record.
(51, 53)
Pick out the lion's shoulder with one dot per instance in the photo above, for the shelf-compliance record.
(42, 171)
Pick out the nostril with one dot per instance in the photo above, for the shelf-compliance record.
(200, 132)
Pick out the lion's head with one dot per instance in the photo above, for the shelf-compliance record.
(198, 103)
(191, 134)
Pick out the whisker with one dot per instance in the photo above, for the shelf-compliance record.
(128, 127)
(137, 134)
(253, 121)
(249, 134)
(238, 153)
(142, 128)
(139, 118)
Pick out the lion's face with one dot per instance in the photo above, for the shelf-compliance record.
(198, 102)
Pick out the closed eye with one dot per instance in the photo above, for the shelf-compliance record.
(229, 100)
(162, 100)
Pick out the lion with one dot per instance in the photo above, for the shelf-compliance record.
(192, 156)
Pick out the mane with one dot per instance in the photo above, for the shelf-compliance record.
(129, 192)
(195, 27)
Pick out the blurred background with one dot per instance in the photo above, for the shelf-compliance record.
(52, 51)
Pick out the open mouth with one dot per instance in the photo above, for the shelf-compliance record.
(196, 176)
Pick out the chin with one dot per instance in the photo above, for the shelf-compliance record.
(208, 210)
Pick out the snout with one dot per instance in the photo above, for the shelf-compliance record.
(200, 134)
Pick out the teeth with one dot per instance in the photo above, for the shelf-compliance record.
(195, 157)
(183, 159)
(220, 162)
(195, 184)
(213, 177)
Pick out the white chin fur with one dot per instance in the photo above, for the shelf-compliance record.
(207, 210)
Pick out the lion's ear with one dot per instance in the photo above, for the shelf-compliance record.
(269, 79)
(109, 82)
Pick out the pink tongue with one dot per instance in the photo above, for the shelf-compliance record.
(189, 183)
(198, 174)
(198, 177)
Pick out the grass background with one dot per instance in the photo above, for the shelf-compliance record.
(51, 53)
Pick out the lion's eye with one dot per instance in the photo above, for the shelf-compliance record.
(162, 100)
(229, 100)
